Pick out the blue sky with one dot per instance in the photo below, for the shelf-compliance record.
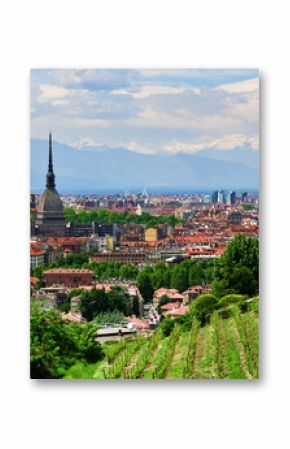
(147, 110)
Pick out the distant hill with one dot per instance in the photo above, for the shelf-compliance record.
(105, 169)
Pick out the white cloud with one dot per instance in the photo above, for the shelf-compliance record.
(241, 86)
(148, 90)
(181, 118)
(50, 93)
(67, 76)
(118, 108)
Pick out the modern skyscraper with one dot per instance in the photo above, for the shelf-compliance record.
(245, 197)
(222, 196)
(233, 197)
(227, 197)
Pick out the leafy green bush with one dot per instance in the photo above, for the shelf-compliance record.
(225, 313)
(167, 326)
(64, 306)
(253, 305)
(203, 306)
(109, 317)
(230, 299)
(185, 321)
(237, 270)
(55, 345)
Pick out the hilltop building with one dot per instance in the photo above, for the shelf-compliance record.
(50, 219)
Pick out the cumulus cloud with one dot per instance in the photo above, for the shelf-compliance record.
(241, 87)
(99, 80)
(52, 94)
(147, 111)
(151, 89)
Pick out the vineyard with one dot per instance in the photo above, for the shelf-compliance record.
(227, 347)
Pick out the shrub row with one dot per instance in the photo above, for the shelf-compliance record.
(163, 364)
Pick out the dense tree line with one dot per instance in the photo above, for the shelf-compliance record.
(107, 270)
(95, 302)
(105, 216)
(73, 260)
(55, 345)
(179, 276)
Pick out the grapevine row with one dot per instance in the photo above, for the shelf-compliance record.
(144, 357)
(163, 364)
(113, 350)
(251, 332)
(246, 336)
(188, 370)
(117, 368)
(219, 347)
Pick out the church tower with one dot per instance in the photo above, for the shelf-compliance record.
(50, 219)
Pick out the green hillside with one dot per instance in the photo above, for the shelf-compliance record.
(225, 348)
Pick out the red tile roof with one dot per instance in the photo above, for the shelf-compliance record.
(177, 312)
(139, 324)
(171, 306)
(36, 252)
(33, 280)
(67, 271)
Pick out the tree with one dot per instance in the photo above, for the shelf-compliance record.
(237, 270)
(118, 299)
(106, 216)
(166, 278)
(128, 271)
(144, 284)
(75, 292)
(203, 306)
(71, 260)
(92, 303)
(156, 279)
(179, 278)
(196, 274)
(95, 302)
(167, 326)
(70, 214)
(55, 345)
(38, 271)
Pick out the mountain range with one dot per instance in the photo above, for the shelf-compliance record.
(104, 169)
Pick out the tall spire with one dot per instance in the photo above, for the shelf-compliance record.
(50, 166)
(50, 178)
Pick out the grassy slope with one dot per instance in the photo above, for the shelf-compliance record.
(226, 348)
